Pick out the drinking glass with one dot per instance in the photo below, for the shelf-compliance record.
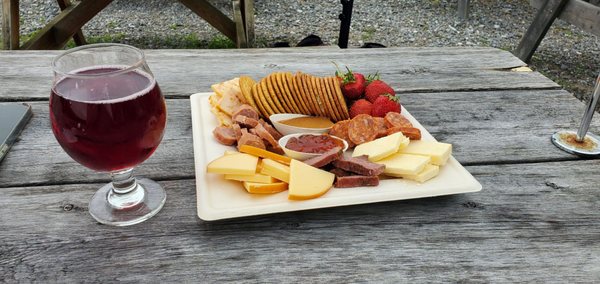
(108, 113)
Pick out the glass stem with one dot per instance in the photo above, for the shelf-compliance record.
(589, 112)
(126, 192)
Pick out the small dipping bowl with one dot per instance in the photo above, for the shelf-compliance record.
(301, 156)
(285, 129)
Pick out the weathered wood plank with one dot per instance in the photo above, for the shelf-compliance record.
(531, 223)
(248, 15)
(183, 72)
(538, 28)
(78, 37)
(240, 29)
(579, 13)
(213, 16)
(57, 32)
(484, 127)
(10, 24)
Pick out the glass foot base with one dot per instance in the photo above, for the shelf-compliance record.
(152, 199)
(567, 141)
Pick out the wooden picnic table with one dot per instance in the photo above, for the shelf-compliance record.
(537, 218)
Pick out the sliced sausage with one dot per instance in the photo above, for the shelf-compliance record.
(340, 129)
(245, 110)
(250, 140)
(361, 129)
(225, 135)
(380, 126)
(276, 135)
(245, 121)
(237, 130)
(394, 119)
(411, 132)
(264, 134)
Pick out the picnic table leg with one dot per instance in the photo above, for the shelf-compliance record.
(213, 16)
(78, 36)
(538, 28)
(463, 9)
(248, 19)
(240, 32)
(10, 24)
(346, 18)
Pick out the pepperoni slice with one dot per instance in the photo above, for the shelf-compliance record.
(380, 126)
(394, 119)
(340, 129)
(410, 132)
(361, 129)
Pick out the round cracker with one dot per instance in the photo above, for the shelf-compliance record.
(298, 95)
(332, 99)
(246, 84)
(313, 95)
(268, 96)
(329, 97)
(273, 93)
(284, 98)
(255, 96)
(286, 90)
(263, 96)
(338, 91)
(304, 78)
(305, 98)
(336, 101)
(322, 98)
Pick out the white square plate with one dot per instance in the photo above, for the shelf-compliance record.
(218, 198)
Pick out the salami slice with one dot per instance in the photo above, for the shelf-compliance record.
(361, 129)
(380, 126)
(411, 132)
(394, 119)
(340, 129)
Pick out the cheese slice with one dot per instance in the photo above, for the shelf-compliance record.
(252, 178)
(439, 152)
(307, 182)
(404, 164)
(430, 171)
(275, 169)
(382, 147)
(230, 95)
(235, 164)
(265, 188)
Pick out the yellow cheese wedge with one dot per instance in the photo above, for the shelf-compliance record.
(265, 188)
(307, 182)
(382, 147)
(229, 152)
(439, 152)
(264, 154)
(430, 171)
(252, 178)
(404, 164)
(235, 164)
(276, 170)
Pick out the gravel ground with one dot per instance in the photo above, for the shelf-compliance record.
(567, 55)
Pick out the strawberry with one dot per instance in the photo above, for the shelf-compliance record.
(384, 104)
(353, 84)
(376, 88)
(361, 106)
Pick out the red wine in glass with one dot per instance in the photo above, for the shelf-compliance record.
(107, 112)
(108, 123)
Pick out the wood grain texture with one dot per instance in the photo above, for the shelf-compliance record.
(183, 72)
(213, 16)
(583, 14)
(484, 127)
(538, 28)
(531, 223)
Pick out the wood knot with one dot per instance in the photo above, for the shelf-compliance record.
(555, 186)
(471, 204)
(68, 207)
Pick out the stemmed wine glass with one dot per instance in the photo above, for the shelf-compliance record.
(108, 113)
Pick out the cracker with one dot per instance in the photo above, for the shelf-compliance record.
(332, 99)
(313, 95)
(321, 97)
(338, 91)
(299, 94)
(264, 97)
(267, 96)
(286, 90)
(298, 81)
(285, 99)
(246, 83)
(255, 96)
(337, 103)
(273, 94)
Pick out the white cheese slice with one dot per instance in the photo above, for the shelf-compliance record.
(404, 164)
(439, 152)
(430, 171)
(382, 147)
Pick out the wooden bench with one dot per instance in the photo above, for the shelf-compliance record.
(583, 14)
(73, 16)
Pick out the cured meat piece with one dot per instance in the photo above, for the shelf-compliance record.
(270, 129)
(340, 129)
(276, 150)
(237, 130)
(225, 135)
(264, 134)
(250, 140)
(361, 129)
(411, 132)
(339, 172)
(356, 181)
(325, 158)
(394, 119)
(245, 121)
(380, 126)
(245, 110)
(359, 166)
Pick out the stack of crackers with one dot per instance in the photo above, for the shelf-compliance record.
(281, 92)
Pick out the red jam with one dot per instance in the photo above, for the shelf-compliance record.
(316, 144)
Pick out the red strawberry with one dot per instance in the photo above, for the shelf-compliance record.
(384, 104)
(353, 84)
(361, 106)
(376, 88)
